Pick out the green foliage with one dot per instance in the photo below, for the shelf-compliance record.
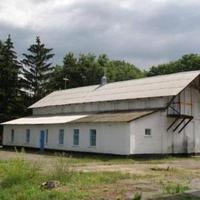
(37, 69)
(63, 172)
(20, 180)
(10, 103)
(89, 69)
(137, 196)
(174, 188)
(187, 62)
(17, 171)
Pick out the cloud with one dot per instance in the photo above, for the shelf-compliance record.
(143, 32)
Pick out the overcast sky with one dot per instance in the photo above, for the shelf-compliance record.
(143, 32)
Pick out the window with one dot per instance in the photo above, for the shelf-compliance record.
(92, 137)
(147, 131)
(27, 135)
(76, 137)
(61, 136)
(47, 136)
(12, 135)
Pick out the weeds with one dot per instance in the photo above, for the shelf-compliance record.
(61, 169)
(21, 180)
(137, 196)
(174, 188)
(17, 171)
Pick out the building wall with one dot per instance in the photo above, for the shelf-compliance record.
(149, 103)
(162, 141)
(123, 138)
(111, 137)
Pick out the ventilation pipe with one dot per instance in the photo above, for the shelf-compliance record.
(103, 80)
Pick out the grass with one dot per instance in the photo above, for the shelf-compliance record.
(178, 197)
(21, 180)
(174, 188)
(22, 174)
(137, 196)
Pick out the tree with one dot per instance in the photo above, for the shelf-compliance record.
(121, 70)
(37, 69)
(88, 69)
(9, 79)
(187, 62)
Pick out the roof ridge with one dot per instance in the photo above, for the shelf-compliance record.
(142, 78)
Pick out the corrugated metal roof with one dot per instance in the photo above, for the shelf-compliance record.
(94, 118)
(44, 120)
(157, 86)
(113, 117)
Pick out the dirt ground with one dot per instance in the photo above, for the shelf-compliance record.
(148, 175)
(137, 166)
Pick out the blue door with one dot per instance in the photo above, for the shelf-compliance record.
(42, 137)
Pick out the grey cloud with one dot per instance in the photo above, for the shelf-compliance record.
(142, 36)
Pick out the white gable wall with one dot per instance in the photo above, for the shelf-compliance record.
(161, 141)
(166, 142)
(141, 144)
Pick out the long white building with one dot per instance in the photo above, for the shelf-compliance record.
(156, 115)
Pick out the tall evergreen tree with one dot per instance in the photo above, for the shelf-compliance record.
(9, 81)
(37, 69)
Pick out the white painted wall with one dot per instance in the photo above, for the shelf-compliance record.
(111, 137)
(161, 141)
(148, 103)
(166, 142)
(122, 138)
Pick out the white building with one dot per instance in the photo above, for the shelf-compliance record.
(156, 115)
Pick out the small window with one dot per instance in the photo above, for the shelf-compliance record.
(12, 135)
(61, 136)
(147, 131)
(76, 137)
(47, 136)
(27, 135)
(92, 137)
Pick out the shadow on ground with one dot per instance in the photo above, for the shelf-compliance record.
(99, 156)
(188, 196)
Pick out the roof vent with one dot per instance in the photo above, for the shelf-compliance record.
(103, 80)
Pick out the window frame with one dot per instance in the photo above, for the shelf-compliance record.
(148, 132)
(12, 136)
(61, 136)
(93, 132)
(46, 136)
(28, 135)
(76, 134)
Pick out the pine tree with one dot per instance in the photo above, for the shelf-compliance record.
(37, 69)
(9, 81)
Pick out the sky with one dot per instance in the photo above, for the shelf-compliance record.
(143, 32)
